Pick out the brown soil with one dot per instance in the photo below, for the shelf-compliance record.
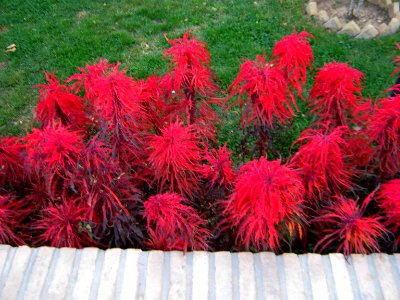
(368, 13)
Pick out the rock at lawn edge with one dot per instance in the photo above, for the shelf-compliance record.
(333, 24)
(351, 28)
(368, 32)
(312, 9)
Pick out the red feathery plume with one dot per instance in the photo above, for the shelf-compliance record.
(220, 170)
(345, 226)
(294, 55)
(63, 225)
(384, 131)
(10, 160)
(336, 93)
(175, 159)
(57, 103)
(388, 199)
(11, 214)
(172, 225)
(267, 195)
(321, 160)
(267, 93)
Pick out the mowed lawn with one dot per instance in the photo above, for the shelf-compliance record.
(60, 36)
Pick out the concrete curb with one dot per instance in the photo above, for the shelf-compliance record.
(90, 273)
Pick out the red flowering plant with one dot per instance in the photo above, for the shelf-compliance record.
(388, 199)
(191, 80)
(175, 159)
(174, 225)
(11, 161)
(348, 229)
(336, 93)
(294, 56)
(267, 196)
(321, 160)
(57, 103)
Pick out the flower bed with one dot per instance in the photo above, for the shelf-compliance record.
(119, 162)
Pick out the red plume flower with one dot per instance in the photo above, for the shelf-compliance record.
(346, 227)
(294, 55)
(220, 170)
(58, 104)
(388, 198)
(266, 89)
(10, 160)
(175, 159)
(267, 196)
(336, 93)
(63, 225)
(11, 211)
(172, 225)
(321, 160)
(384, 131)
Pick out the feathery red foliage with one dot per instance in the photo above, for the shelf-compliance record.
(11, 211)
(175, 159)
(58, 104)
(11, 161)
(266, 89)
(267, 195)
(63, 225)
(172, 225)
(52, 154)
(384, 131)
(388, 198)
(220, 170)
(344, 224)
(321, 160)
(294, 55)
(336, 93)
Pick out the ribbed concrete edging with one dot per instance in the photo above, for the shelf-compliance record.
(90, 273)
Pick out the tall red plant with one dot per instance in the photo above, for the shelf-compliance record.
(57, 103)
(294, 55)
(11, 211)
(173, 225)
(388, 199)
(322, 162)
(11, 161)
(63, 225)
(265, 88)
(348, 229)
(336, 93)
(384, 131)
(175, 159)
(267, 196)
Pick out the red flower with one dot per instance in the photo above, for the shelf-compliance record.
(63, 225)
(11, 214)
(384, 130)
(336, 93)
(346, 227)
(10, 160)
(220, 170)
(321, 160)
(172, 225)
(388, 198)
(294, 55)
(267, 93)
(175, 158)
(58, 104)
(267, 195)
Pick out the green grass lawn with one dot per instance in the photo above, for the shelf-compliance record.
(63, 35)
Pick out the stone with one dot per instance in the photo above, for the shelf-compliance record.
(270, 272)
(383, 29)
(341, 276)
(293, 276)
(177, 276)
(384, 3)
(86, 272)
(333, 24)
(109, 274)
(351, 28)
(128, 284)
(312, 9)
(394, 25)
(247, 276)
(368, 32)
(323, 16)
(365, 279)
(154, 277)
(393, 9)
(319, 285)
(200, 275)
(386, 276)
(223, 276)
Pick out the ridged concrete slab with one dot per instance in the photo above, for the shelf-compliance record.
(49, 273)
